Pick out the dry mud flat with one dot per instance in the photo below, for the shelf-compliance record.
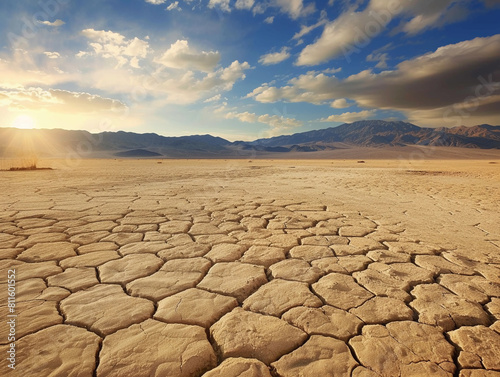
(238, 268)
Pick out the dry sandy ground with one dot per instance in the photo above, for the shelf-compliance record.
(253, 268)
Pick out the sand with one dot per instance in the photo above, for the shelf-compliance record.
(259, 267)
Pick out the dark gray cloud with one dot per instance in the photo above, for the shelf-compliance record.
(452, 76)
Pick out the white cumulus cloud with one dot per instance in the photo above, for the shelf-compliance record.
(61, 101)
(52, 55)
(181, 56)
(340, 103)
(56, 23)
(350, 117)
(109, 44)
(277, 123)
(294, 8)
(275, 57)
(215, 98)
(244, 4)
(222, 4)
(174, 6)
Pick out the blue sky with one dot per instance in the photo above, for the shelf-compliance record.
(245, 69)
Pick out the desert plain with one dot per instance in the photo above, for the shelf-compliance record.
(388, 266)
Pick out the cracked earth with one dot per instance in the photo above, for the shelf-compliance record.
(254, 269)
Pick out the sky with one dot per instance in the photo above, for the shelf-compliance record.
(247, 69)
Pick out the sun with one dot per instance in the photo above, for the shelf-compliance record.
(24, 122)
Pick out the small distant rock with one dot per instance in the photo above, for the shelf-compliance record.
(138, 153)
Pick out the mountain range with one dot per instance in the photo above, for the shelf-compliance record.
(377, 133)
(369, 133)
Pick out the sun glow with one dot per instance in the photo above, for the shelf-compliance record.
(24, 122)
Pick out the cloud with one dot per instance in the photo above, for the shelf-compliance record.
(350, 30)
(55, 100)
(213, 99)
(473, 111)
(103, 36)
(275, 57)
(294, 8)
(181, 56)
(56, 23)
(307, 29)
(174, 6)
(156, 2)
(350, 117)
(52, 55)
(244, 4)
(441, 78)
(269, 20)
(491, 3)
(332, 70)
(188, 87)
(277, 123)
(25, 68)
(353, 30)
(108, 44)
(428, 14)
(222, 4)
(196, 80)
(226, 77)
(380, 58)
(195, 76)
(242, 117)
(437, 80)
(341, 103)
(310, 87)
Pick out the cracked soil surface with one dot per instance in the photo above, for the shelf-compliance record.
(253, 268)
